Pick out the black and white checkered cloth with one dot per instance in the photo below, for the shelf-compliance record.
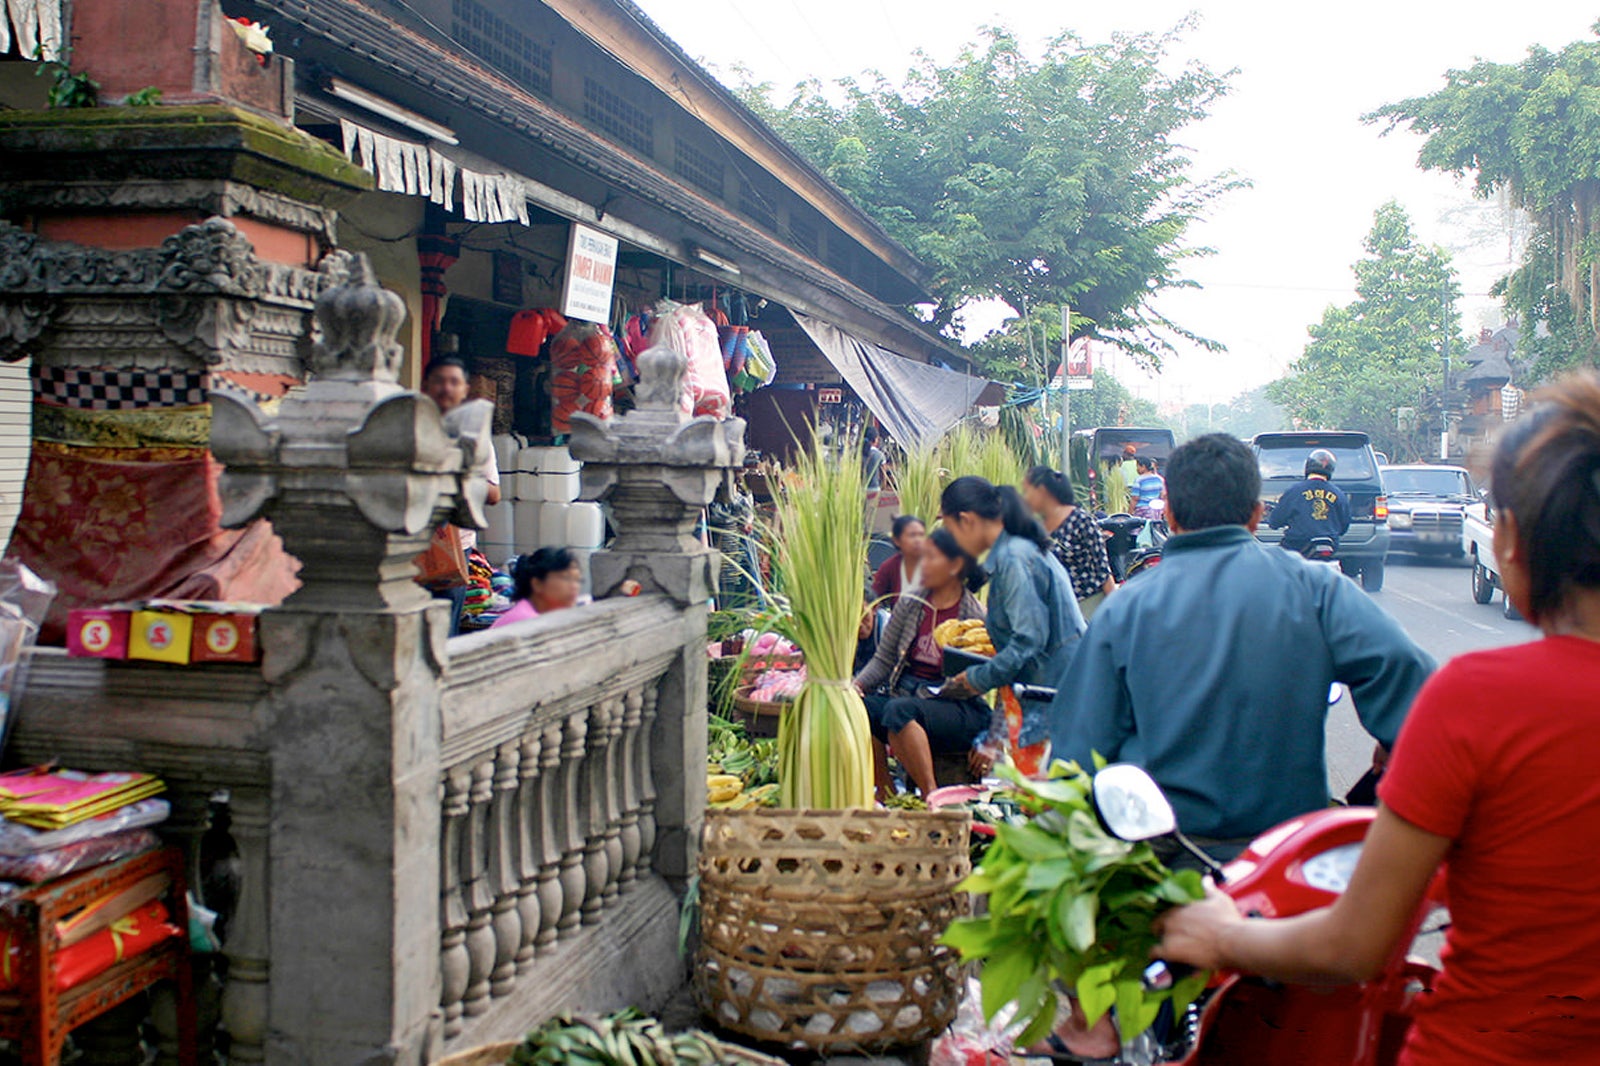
(118, 390)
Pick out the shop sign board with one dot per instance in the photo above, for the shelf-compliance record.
(830, 396)
(591, 273)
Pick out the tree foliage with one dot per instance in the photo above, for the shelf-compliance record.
(1056, 181)
(1532, 129)
(1384, 350)
(1244, 416)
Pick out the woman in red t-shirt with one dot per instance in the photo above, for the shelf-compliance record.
(1493, 775)
(899, 571)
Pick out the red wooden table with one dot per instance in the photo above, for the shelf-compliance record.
(38, 1015)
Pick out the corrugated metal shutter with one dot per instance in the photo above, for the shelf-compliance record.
(16, 428)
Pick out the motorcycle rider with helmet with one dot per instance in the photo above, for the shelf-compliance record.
(1314, 509)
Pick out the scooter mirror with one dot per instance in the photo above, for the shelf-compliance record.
(1132, 805)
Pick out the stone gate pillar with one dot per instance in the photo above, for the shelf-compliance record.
(354, 473)
(148, 254)
(658, 468)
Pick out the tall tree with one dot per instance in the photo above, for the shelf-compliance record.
(1531, 129)
(1384, 351)
(1052, 181)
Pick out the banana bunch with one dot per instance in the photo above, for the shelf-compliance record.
(731, 751)
(964, 634)
(624, 1039)
(720, 788)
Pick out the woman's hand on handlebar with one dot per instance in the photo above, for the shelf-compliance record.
(1194, 933)
(957, 688)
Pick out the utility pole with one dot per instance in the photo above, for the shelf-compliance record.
(1444, 397)
(1066, 403)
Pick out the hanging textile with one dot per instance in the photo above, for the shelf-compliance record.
(421, 170)
(34, 26)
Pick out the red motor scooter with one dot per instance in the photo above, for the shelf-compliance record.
(1241, 1020)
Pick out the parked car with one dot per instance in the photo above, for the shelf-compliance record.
(1364, 548)
(1426, 508)
(1477, 541)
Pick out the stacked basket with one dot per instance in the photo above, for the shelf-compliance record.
(820, 928)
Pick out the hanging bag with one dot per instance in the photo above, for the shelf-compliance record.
(444, 564)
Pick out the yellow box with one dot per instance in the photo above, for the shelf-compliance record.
(160, 636)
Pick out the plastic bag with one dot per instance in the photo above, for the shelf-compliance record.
(24, 599)
(58, 862)
(583, 369)
(17, 839)
(970, 1041)
(688, 330)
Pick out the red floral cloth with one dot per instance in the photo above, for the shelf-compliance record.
(107, 530)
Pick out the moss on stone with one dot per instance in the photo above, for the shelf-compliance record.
(208, 141)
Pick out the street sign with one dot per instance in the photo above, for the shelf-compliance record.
(1080, 384)
(830, 396)
(591, 273)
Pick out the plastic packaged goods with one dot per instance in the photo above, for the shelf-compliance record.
(687, 330)
(560, 488)
(17, 839)
(558, 460)
(58, 862)
(583, 367)
(525, 530)
(552, 525)
(499, 536)
(24, 599)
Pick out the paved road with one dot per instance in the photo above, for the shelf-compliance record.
(1432, 599)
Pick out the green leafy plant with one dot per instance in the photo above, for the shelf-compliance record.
(66, 88)
(1070, 908)
(626, 1038)
(819, 557)
(149, 96)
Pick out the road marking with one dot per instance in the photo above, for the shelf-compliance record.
(1447, 613)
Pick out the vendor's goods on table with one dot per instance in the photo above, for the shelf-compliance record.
(626, 1038)
(741, 771)
(166, 631)
(60, 823)
(820, 929)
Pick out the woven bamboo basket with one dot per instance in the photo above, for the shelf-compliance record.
(760, 717)
(819, 929)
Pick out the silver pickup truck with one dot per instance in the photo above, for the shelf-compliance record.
(1477, 540)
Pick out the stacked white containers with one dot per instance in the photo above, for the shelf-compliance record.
(499, 541)
(545, 490)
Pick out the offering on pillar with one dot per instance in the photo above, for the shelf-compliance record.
(166, 631)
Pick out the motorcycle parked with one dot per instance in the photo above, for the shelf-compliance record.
(1240, 1020)
(1134, 546)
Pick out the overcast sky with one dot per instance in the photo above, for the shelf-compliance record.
(1292, 126)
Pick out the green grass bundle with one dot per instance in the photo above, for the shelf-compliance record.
(920, 480)
(820, 555)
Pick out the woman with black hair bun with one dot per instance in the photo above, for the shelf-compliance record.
(542, 581)
(896, 684)
(1075, 537)
(899, 571)
(1034, 618)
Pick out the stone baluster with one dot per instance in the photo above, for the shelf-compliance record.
(551, 848)
(477, 889)
(647, 779)
(613, 781)
(570, 823)
(505, 874)
(454, 964)
(245, 997)
(628, 785)
(658, 468)
(529, 851)
(355, 472)
(593, 798)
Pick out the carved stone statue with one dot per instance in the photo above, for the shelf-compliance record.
(354, 471)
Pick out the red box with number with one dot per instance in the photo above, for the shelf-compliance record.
(98, 633)
(224, 638)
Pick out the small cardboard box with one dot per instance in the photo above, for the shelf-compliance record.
(229, 637)
(161, 636)
(98, 632)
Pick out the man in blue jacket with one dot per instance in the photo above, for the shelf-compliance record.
(1212, 670)
(1314, 508)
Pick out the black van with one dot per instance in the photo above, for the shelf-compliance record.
(1282, 456)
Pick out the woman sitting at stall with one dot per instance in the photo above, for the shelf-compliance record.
(1034, 619)
(896, 683)
(542, 581)
(899, 571)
